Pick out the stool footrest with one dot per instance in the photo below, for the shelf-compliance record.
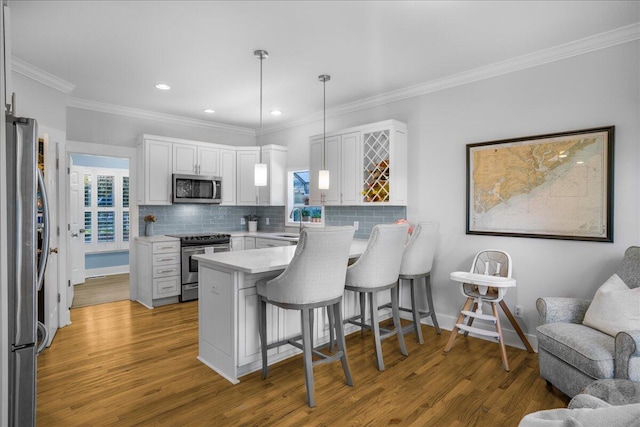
(473, 330)
(480, 316)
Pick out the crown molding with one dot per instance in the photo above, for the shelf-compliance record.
(604, 40)
(151, 115)
(40, 75)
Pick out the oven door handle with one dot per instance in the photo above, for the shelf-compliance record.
(190, 287)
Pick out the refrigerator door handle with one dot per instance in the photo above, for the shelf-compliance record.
(45, 337)
(45, 230)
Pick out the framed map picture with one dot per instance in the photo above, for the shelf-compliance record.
(556, 186)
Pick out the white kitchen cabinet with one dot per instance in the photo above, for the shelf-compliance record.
(275, 193)
(341, 160)
(262, 242)
(246, 191)
(154, 163)
(367, 165)
(158, 269)
(196, 158)
(237, 243)
(249, 242)
(228, 175)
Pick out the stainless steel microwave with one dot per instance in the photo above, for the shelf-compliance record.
(197, 189)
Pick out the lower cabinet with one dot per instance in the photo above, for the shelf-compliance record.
(249, 242)
(262, 242)
(158, 270)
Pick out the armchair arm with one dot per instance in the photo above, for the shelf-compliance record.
(558, 309)
(627, 347)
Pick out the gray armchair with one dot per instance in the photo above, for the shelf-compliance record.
(572, 355)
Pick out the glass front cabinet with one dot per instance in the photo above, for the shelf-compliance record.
(367, 165)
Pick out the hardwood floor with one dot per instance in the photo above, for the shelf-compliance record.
(122, 364)
(101, 290)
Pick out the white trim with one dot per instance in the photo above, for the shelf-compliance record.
(106, 271)
(40, 75)
(151, 115)
(604, 40)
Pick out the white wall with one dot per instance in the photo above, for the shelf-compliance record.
(596, 89)
(113, 129)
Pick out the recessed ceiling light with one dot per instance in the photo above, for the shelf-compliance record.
(276, 112)
(163, 86)
(209, 110)
(580, 162)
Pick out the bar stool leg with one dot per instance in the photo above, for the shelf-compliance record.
(375, 328)
(415, 309)
(332, 322)
(434, 319)
(362, 296)
(342, 345)
(396, 319)
(262, 330)
(306, 354)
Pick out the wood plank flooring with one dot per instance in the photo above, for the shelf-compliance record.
(122, 364)
(101, 290)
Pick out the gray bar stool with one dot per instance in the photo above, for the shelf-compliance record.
(377, 270)
(416, 264)
(314, 278)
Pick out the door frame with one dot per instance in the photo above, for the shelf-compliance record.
(91, 149)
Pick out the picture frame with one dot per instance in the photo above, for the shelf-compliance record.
(552, 186)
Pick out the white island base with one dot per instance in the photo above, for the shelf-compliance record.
(228, 308)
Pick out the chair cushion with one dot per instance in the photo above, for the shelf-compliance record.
(614, 308)
(584, 348)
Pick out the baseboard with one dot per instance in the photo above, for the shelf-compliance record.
(106, 271)
(510, 336)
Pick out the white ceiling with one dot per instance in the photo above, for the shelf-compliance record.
(114, 52)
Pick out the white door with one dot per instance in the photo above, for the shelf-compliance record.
(76, 228)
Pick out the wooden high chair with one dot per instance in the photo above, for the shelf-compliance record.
(488, 281)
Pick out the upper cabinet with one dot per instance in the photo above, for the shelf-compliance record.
(246, 191)
(367, 165)
(228, 175)
(275, 193)
(154, 161)
(198, 159)
(160, 157)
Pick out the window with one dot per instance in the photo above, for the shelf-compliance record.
(298, 201)
(106, 209)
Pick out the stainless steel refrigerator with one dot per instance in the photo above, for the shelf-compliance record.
(28, 243)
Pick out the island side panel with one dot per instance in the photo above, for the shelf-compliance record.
(216, 320)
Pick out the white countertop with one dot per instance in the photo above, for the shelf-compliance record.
(263, 260)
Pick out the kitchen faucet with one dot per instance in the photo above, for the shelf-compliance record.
(300, 213)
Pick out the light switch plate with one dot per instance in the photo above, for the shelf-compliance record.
(356, 224)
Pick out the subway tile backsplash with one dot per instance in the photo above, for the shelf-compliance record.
(187, 218)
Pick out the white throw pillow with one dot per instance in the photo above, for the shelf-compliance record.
(614, 308)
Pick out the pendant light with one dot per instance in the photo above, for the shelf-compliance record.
(260, 173)
(323, 175)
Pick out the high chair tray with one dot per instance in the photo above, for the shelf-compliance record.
(483, 279)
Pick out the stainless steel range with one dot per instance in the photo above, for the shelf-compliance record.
(196, 244)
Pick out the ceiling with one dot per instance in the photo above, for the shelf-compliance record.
(114, 52)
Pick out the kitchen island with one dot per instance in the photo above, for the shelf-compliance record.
(228, 309)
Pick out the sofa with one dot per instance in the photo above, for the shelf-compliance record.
(572, 355)
(604, 402)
